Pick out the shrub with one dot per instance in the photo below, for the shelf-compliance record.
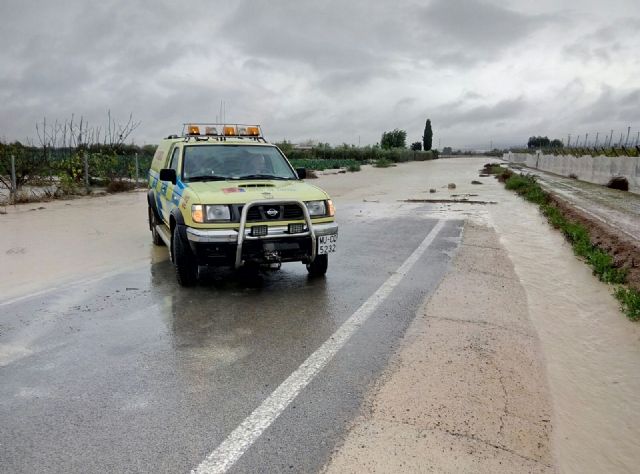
(383, 163)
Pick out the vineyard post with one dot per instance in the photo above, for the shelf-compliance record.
(627, 139)
(137, 170)
(14, 186)
(85, 157)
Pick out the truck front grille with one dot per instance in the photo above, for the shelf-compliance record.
(270, 213)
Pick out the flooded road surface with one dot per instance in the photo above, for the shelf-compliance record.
(107, 365)
(132, 373)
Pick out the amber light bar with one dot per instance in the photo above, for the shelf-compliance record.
(221, 129)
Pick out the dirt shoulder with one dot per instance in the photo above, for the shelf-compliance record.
(467, 392)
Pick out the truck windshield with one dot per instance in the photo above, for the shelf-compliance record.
(216, 162)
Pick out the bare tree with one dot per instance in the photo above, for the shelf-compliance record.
(117, 134)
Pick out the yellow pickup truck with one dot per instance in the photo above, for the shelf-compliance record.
(221, 195)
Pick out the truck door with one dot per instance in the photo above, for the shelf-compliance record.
(166, 190)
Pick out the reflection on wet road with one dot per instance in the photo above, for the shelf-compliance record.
(132, 373)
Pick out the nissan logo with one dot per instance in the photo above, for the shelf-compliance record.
(271, 212)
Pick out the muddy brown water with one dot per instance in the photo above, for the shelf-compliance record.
(592, 351)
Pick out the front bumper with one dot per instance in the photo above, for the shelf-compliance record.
(228, 236)
(300, 245)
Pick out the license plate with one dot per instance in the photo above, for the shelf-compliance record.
(327, 244)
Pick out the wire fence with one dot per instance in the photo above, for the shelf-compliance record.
(27, 173)
(628, 151)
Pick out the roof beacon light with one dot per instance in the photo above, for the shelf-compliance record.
(211, 131)
(229, 131)
(253, 131)
(194, 130)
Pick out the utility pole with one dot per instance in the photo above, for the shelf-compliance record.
(595, 145)
(610, 138)
(637, 138)
(586, 140)
(568, 140)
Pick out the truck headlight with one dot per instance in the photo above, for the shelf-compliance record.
(217, 212)
(316, 208)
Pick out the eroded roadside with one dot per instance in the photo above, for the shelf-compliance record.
(468, 391)
(590, 350)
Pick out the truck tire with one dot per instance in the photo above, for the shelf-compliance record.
(153, 222)
(184, 261)
(319, 266)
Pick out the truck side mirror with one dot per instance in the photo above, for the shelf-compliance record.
(302, 172)
(168, 174)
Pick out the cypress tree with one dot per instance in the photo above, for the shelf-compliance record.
(427, 138)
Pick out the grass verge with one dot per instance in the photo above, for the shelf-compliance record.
(602, 263)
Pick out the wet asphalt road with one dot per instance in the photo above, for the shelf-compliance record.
(132, 373)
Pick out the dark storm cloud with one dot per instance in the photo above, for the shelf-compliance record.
(344, 80)
(333, 34)
(606, 44)
(457, 112)
(611, 106)
(343, 38)
(473, 30)
(334, 71)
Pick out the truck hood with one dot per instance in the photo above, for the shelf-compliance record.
(241, 191)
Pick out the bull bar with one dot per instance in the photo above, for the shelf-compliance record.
(275, 232)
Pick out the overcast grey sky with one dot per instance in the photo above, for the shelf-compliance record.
(333, 71)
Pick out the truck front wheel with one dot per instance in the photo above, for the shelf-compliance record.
(184, 261)
(319, 266)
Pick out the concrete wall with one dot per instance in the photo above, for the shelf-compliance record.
(594, 169)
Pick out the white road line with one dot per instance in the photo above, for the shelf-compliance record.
(240, 439)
